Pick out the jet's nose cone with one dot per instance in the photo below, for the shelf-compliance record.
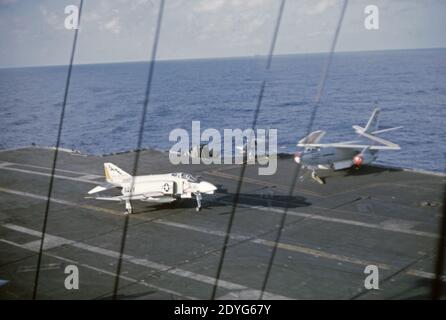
(206, 187)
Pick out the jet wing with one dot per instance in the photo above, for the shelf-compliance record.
(349, 146)
(143, 196)
(361, 130)
(102, 187)
(313, 137)
(309, 145)
(377, 139)
(387, 130)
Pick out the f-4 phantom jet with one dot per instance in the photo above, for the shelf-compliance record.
(155, 188)
(343, 155)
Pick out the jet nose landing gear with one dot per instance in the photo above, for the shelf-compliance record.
(198, 197)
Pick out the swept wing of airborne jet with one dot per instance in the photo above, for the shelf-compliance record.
(343, 155)
(155, 188)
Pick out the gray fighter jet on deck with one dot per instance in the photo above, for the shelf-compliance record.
(154, 188)
(342, 155)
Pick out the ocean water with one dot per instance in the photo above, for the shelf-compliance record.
(105, 101)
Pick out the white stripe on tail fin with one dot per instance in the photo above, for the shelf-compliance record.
(115, 175)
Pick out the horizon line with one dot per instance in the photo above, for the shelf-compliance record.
(216, 58)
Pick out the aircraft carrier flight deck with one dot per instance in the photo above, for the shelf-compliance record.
(385, 217)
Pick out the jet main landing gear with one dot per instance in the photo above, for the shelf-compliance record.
(128, 207)
(316, 177)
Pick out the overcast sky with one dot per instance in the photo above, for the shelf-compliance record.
(32, 32)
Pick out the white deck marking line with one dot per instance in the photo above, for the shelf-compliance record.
(290, 247)
(384, 227)
(48, 175)
(40, 167)
(201, 230)
(50, 241)
(258, 182)
(392, 228)
(4, 164)
(140, 282)
(49, 266)
(144, 262)
(64, 202)
(283, 246)
(306, 191)
(423, 274)
(90, 177)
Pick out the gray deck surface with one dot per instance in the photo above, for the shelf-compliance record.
(360, 217)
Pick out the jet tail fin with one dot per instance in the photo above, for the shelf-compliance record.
(373, 123)
(114, 174)
(372, 129)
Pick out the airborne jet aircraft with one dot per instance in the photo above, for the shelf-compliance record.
(343, 155)
(156, 188)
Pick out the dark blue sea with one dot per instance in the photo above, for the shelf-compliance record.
(105, 101)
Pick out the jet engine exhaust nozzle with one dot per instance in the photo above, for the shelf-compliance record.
(358, 160)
